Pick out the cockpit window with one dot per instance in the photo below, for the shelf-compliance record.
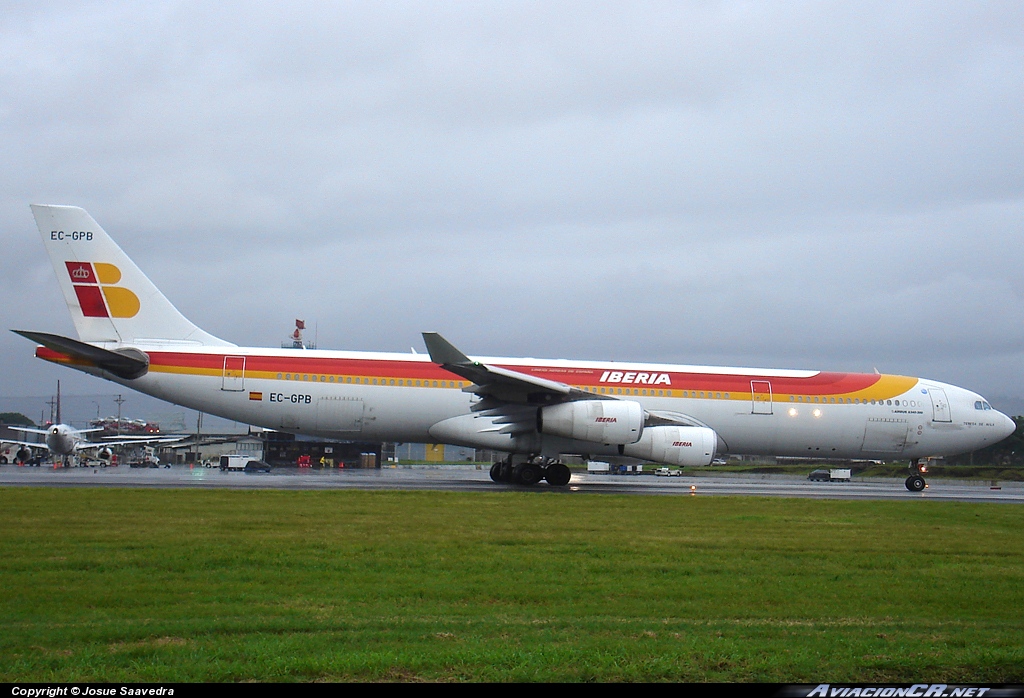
(982, 405)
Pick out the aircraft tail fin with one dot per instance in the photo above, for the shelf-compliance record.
(109, 298)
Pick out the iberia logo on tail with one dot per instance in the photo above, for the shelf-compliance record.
(97, 294)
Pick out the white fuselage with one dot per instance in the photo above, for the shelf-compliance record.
(62, 440)
(407, 398)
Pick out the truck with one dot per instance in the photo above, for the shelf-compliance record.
(235, 461)
(832, 475)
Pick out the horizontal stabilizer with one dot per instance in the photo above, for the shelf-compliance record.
(28, 430)
(124, 363)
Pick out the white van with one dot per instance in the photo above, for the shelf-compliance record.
(234, 461)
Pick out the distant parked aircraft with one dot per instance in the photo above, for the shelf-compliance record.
(64, 441)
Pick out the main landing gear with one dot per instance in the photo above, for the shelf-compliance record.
(531, 471)
(915, 483)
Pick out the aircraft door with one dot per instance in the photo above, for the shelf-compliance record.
(885, 435)
(761, 395)
(940, 405)
(234, 373)
(337, 414)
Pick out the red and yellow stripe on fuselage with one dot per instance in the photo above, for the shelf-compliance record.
(666, 381)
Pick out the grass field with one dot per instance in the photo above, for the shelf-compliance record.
(167, 585)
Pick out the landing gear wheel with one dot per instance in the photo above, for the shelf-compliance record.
(527, 474)
(915, 483)
(496, 472)
(557, 474)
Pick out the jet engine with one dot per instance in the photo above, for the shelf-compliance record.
(104, 454)
(675, 445)
(603, 421)
(23, 455)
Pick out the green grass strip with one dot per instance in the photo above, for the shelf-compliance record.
(189, 585)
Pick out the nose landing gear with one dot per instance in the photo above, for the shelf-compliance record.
(915, 483)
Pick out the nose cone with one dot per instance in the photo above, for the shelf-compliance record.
(1008, 427)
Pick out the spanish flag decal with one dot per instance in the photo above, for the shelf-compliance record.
(255, 396)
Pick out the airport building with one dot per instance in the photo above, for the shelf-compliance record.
(282, 449)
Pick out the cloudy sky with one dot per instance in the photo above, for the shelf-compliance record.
(795, 185)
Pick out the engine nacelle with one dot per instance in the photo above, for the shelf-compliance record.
(603, 421)
(104, 454)
(675, 445)
(23, 455)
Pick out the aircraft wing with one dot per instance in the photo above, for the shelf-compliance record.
(27, 444)
(660, 418)
(510, 398)
(502, 384)
(129, 441)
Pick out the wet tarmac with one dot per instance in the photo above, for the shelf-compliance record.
(470, 479)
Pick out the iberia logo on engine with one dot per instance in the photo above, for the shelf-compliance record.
(94, 284)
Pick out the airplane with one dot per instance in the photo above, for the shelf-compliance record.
(534, 411)
(63, 441)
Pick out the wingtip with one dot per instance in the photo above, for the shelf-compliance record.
(442, 351)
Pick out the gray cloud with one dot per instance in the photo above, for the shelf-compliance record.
(802, 185)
